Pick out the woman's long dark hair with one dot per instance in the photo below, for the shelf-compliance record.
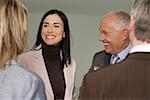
(65, 43)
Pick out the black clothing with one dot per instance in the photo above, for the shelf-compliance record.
(51, 55)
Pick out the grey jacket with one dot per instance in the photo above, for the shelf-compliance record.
(16, 83)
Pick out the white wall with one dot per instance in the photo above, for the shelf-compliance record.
(85, 42)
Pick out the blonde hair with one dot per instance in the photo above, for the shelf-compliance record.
(13, 30)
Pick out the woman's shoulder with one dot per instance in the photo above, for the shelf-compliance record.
(72, 65)
(73, 62)
(19, 81)
(30, 54)
(18, 71)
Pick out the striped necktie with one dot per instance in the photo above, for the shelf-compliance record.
(115, 59)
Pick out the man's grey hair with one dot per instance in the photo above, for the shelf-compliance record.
(123, 19)
(141, 12)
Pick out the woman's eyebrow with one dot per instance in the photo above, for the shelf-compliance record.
(57, 23)
(53, 23)
(45, 23)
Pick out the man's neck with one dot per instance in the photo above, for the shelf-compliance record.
(138, 42)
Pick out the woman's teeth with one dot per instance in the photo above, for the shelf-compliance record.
(50, 36)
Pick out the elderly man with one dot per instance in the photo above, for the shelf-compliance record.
(114, 33)
(128, 80)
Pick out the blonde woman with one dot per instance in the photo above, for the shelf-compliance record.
(16, 83)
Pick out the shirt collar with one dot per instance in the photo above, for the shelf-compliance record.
(141, 48)
(122, 55)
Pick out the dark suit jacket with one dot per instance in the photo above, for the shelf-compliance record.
(100, 60)
(128, 80)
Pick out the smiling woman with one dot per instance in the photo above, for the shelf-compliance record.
(50, 57)
(52, 30)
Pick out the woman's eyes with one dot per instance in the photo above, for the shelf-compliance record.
(57, 26)
(46, 25)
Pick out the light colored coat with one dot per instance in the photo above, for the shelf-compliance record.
(16, 83)
(35, 62)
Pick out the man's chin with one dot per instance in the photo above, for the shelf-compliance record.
(107, 51)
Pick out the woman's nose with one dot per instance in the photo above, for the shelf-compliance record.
(50, 29)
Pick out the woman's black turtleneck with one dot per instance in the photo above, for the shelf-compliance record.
(51, 55)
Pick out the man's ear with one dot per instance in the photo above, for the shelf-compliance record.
(132, 36)
(129, 30)
(132, 22)
(125, 34)
(64, 35)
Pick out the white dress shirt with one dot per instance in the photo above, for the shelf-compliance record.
(141, 48)
(122, 55)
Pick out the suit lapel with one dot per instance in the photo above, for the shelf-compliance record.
(43, 72)
(69, 73)
(106, 59)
